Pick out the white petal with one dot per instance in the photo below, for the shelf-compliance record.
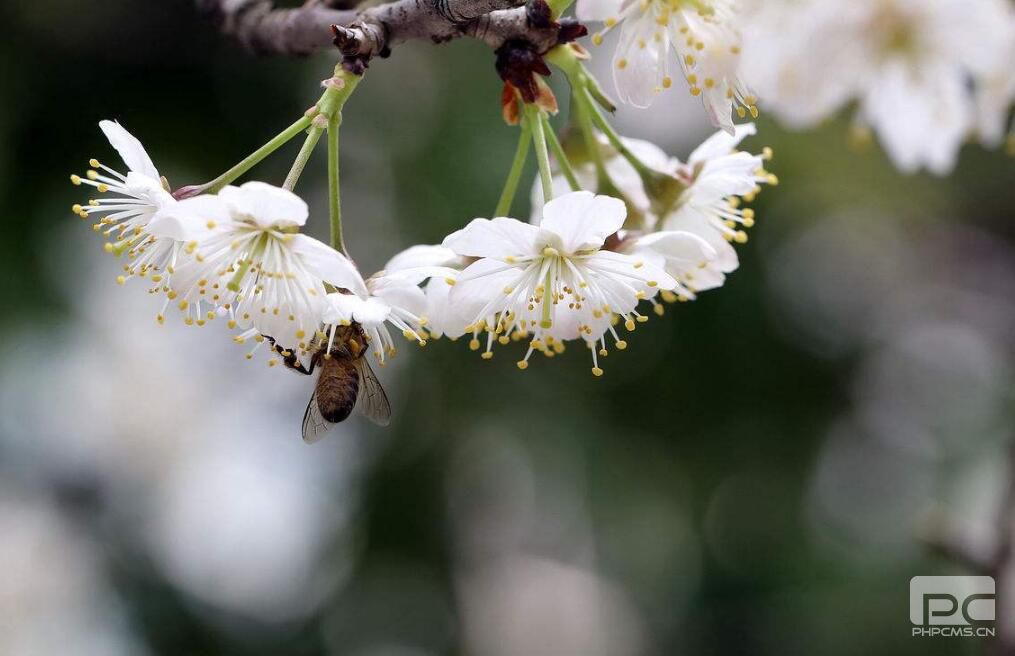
(481, 282)
(500, 237)
(645, 271)
(721, 143)
(678, 245)
(328, 264)
(582, 220)
(192, 219)
(639, 64)
(409, 298)
(921, 117)
(423, 255)
(349, 307)
(413, 276)
(130, 149)
(268, 206)
(696, 222)
(443, 317)
(597, 10)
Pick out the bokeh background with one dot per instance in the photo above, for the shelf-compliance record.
(759, 473)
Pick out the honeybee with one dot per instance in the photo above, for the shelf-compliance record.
(345, 383)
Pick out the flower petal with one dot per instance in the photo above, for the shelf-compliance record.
(581, 220)
(408, 298)
(500, 237)
(328, 264)
(423, 255)
(721, 143)
(130, 149)
(597, 10)
(192, 219)
(267, 205)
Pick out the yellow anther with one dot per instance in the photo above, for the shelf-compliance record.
(272, 362)
(767, 153)
(231, 323)
(211, 315)
(549, 251)
(523, 364)
(629, 324)
(621, 63)
(621, 345)
(487, 355)
(75, 179)
(740, 237)
(120, 280)
(504, 339)
(596, 371)
(696, 91)
(474, 344)
(597, 39)
(667, 82)
(652, 283)
(94, 163)
(92, 175)
(450, 281)
(108, 247)
(103, 188)
(610, 22)
(210, 225)
(659, 310)
(161, 319)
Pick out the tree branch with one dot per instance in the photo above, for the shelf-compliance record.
(261, 28)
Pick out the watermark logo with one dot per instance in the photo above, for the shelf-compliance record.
(952, 606)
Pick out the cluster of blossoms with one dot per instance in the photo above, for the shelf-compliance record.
(575, 273)
(618, 227)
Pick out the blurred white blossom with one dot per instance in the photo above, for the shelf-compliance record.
(907, 63)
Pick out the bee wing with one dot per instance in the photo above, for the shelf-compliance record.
(372, 402)
(315, 426)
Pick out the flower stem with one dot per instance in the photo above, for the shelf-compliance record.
(532, 114)
(313, 136)
(507, 196)
(558, 152)
(334, 200)
(611, 134)
(255, 157)
(339, 88)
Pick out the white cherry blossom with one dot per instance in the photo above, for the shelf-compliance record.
(718, 178)
(246, 259)
(553, 282)
(133, 201)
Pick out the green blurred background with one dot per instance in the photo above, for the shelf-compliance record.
(756, 474)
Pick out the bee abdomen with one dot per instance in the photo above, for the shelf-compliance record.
(337, 389)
